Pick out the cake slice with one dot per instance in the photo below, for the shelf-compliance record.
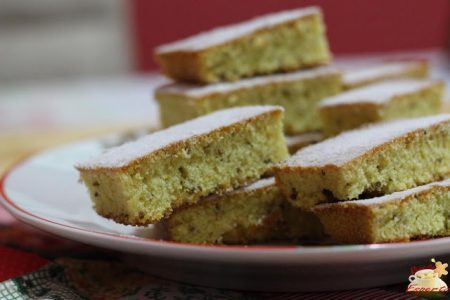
(141, 182)
(390, 70)
(420, 212)
(375, 160)
(245, 215)
(298, 92)
(380, 102)
(296, 142)
(281, 41)
(254, 213)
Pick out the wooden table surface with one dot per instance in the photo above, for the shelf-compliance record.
(14, 147)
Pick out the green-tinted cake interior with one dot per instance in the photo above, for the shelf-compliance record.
(419, 217)
(336, 119)
(421, 159)
(299, 98)
(240, 217)
(285, 47)
(146, 192)
(243, 216)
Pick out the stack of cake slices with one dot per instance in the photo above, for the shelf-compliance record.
(276, 59)
(370, 151)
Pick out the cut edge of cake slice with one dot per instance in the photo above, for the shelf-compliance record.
(377, 159)
(420, 212)
(298, 92)
(388, 100)
(142, 181)
(380, 93)
(278, 42)
(200, 91)
(257, 212)
(245, 215)
(132, 152)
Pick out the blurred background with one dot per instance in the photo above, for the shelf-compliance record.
(78, 68)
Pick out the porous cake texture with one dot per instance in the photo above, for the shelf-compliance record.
(245, 215)
(380, 72)
(281, 41)
(255, 213)
(141, 182)
(420, 212)
(403, 98)
(296, 142)
(298, 92)
(375, 160)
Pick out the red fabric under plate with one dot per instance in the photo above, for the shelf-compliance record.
(15, 263)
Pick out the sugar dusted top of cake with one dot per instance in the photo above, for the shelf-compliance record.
(227, 33)
(398, 195)
(125, 154)
(197, 91)
(355, 143)
(303, 138)
(259, 184)
(352, 77)
(378, 93)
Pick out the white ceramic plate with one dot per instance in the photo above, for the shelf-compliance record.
(44, 191)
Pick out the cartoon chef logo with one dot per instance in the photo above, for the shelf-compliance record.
(429, 280)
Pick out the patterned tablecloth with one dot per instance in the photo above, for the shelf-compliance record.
(35, 265)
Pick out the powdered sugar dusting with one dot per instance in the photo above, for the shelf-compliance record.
(304, 138)
(398, 195)
(125, 154)
(352, 144)
(226, 33)
(394, 69)
(262, 183)
(259, 184)
(378, 93)
(195, 90)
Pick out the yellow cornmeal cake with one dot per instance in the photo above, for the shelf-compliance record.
(403, 98)
(419, 212)
(141, 182)
(296, 142)
(392, 70)
(298, 92)
(254, 213)
(375, 160)
(281, 41)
